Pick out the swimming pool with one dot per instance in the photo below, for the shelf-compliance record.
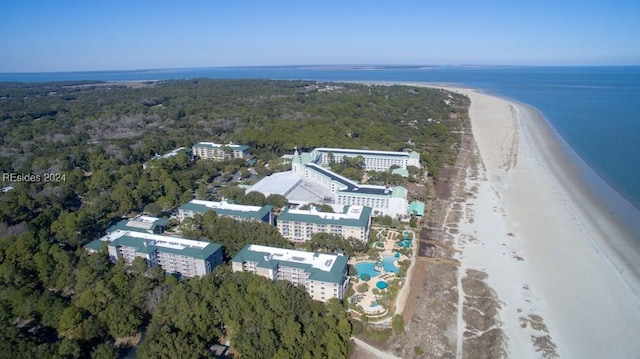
(387, 263)
(368, 268)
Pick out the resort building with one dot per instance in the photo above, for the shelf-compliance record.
(324, 276)
(384, 200)
(309, 182)
(180, 256)
(300, 225)
(225, 209)
(142, 224)
(219, 152)
(373, 160)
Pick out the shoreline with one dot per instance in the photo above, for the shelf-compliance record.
(619, 237)
(549, 246)
(606, 206)
(605, 196)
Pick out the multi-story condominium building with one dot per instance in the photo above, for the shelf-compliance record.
(384, 200)
(225, 209)
(324, 276)
(373, 160)
(301, 225)
(144, 224)
(219, 152)
(181, 256)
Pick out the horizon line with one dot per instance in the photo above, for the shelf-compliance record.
(309, 66)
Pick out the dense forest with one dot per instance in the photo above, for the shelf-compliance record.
(58, 301)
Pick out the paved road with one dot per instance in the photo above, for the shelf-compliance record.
(379, 354)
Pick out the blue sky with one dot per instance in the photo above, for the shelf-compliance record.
(125, 35)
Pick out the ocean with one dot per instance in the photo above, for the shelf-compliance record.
(595, 110)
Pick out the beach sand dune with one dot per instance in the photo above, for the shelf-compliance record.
(549, 251)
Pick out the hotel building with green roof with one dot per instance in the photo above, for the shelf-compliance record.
(390, 201)
(144, 224)
(311, 180)
(224, 208)
(324, 276)
(175, 255)
(300, 225)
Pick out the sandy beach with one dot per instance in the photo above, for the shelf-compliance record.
(564, 270)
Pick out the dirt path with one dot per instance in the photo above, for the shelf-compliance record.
(365, 350)
(418, 276)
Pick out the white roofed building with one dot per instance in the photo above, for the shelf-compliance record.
(324, 276)
(224, 208)
(383, 200)
(373, 160)
(309, 182)
(181, 256)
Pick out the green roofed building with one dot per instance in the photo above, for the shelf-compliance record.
(181, 256)
(324, 276)
(301, 225)
(219, 152)
(225, 209)
(143, 224)
(94, 246)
